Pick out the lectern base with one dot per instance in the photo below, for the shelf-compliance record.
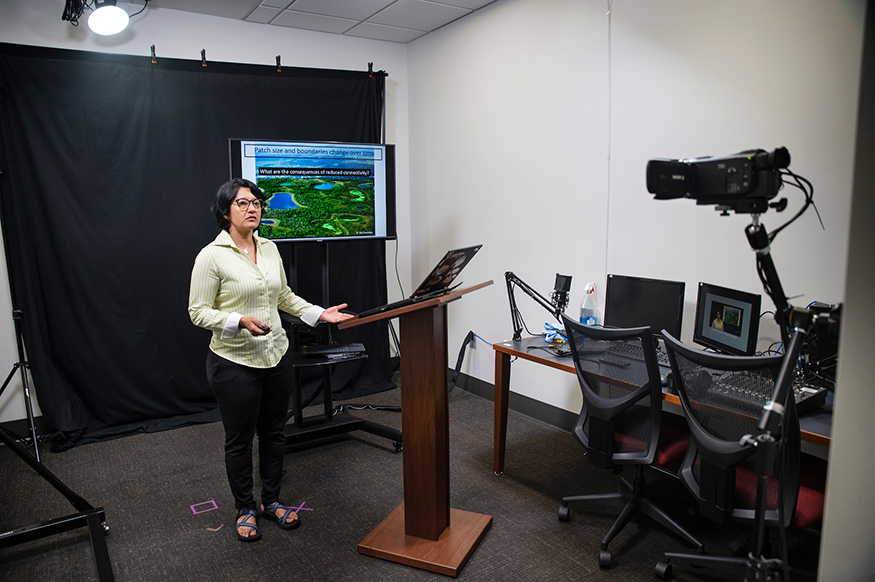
(447, 555)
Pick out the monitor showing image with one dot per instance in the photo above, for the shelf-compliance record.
(320, 191)
(727, 320)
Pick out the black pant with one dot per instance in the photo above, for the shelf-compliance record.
(252, 400)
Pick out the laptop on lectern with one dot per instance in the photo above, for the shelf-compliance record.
(438, 282)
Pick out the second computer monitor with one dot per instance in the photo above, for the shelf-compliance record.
(636, 302)
(727, 320)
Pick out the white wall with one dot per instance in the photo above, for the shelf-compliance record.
(508, 135)
(180, 35)
(532, 124)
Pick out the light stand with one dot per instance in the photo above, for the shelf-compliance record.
(88, 516)
(21, 366)
(556, 307)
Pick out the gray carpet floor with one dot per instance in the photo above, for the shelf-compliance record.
(158, 490)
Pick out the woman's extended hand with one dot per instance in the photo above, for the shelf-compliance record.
(333, 314)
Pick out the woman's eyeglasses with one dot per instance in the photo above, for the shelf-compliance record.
(243, 203)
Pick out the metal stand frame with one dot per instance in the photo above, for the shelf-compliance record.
(87, 516)
(306, 428)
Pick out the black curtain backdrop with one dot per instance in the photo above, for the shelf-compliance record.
(110, 164)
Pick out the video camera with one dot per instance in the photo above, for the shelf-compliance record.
(744, 182)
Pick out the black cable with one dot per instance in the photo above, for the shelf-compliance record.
(397, 274)
(523, 321)
(808, 191)
(145, 3)
(343, 407)
(73, 10)
(468, 339)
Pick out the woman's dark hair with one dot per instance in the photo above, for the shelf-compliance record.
(221, 206)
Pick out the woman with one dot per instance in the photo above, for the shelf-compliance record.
(718, 321)
(237, 286)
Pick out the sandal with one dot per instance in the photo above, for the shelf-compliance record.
(270, 513)
(249, 536)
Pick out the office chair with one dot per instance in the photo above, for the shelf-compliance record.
(620, 422)
(723, 398)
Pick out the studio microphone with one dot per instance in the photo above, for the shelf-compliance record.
(559, 297)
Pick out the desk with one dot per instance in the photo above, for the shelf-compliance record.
(815, 425)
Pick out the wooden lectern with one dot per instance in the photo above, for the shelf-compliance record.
(424, 531)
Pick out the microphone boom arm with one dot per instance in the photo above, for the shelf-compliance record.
(512, 282)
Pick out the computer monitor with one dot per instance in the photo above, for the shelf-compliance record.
(727, 320)
(637, 301)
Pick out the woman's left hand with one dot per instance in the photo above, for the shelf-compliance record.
(334, 315)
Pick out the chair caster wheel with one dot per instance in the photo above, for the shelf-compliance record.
(398, 447)
(564, 513)
(663, 570)
(604, 559)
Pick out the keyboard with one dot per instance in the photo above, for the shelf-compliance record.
(403, 302)
(635, 351)
(387, 307)
(333, 349)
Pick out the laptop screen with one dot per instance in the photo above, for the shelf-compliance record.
(445, 272)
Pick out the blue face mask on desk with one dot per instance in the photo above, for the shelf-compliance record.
(554, 334)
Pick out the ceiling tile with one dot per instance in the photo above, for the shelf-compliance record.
(418, 15)
(307, 21)
(263, 14)
(380, 32)
(354, 9)
(391, 20)
(237, 9)
(472, 4)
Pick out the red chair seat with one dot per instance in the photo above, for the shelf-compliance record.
(809, 505)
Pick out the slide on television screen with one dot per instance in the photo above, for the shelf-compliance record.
(320, 190)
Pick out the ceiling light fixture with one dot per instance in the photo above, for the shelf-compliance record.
(107, 18)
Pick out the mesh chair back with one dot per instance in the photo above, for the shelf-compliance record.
(622, 395)
(723, 399)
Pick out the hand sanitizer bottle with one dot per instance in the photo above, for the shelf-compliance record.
(589, 314)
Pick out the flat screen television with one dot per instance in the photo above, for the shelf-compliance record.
(320, 191)
(638, 301)
(727, 320)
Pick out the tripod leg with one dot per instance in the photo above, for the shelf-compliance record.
(28, 405)
(9, 377)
